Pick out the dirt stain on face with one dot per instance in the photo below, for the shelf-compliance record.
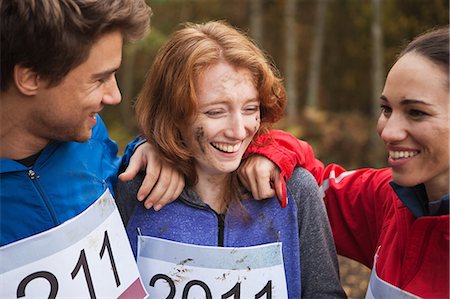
(258, 123)
(199, 136)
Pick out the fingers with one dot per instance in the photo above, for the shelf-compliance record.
(256, 174)
(132, 169)
(264, 188)
(162, 183)
(151, 177)
(168, 187)
(280, 190)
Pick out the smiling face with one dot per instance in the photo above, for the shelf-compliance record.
(414, 123)
(67, 112)
(228, 117)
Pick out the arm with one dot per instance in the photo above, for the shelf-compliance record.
(262, 177)
(356, 201)
(162, 183)
(287, 152)
(319, 265)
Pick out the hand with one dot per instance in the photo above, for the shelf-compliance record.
(263, 178)
(162, 183)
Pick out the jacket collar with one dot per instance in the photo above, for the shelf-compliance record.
(416, 200)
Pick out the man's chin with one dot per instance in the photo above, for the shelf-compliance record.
(85, 136)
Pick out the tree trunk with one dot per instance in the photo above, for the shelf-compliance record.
(315, 60)
(126, 86)
(377, 64)
(291, 48)
(256, 20)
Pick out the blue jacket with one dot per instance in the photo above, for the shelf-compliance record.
(189, 220)
(66, 178)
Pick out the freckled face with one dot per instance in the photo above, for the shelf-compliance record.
(414, 123)
(228, 117)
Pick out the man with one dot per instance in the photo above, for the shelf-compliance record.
(58, 165)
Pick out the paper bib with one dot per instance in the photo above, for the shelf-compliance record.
(88, 256)
(176, 270)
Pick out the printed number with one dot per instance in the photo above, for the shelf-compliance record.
(168, 280)
(199, 283)
(40, 274)
(81, 263)
(107, 245)
(234, 292)
(267, 290)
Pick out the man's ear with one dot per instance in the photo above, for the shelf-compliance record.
(26, 80)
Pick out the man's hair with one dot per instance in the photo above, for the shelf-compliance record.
(52, 37)
(168, 99)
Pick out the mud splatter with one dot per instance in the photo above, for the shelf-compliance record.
(199, 135)
(183, 262)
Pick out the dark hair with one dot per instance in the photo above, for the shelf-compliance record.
(433, 45)
(54, 36)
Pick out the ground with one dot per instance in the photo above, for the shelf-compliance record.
(354, 277)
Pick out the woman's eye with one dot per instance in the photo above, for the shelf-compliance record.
(213, 112)
(251, 109)
(417, 113)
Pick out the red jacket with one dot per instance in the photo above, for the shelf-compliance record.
(367, 216)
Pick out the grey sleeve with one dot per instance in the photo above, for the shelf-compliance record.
(125, 194)
(318, 258)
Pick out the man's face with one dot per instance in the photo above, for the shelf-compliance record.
(67, 112)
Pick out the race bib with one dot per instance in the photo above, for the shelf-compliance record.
(176, 270)
(88, 256)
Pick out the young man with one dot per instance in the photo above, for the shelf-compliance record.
(58, 165)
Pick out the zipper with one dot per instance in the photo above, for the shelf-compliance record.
(34, 177)
(220, 221)
(221, 229)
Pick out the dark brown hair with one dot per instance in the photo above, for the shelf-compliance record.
(54, 36)
(433, 45)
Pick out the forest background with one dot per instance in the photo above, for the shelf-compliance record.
(333, 55)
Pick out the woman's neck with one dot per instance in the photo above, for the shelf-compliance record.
(211, 188)
(438, 187)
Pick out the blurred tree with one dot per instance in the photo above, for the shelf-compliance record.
(256, 24)
(291, 49)
(315, 57)
(377, 65)
(377, 56)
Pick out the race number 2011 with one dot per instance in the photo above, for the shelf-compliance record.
(234, 292)
(177, 270)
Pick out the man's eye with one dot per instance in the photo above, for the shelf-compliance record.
(385, 109)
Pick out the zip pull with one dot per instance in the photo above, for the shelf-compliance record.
(33, 175)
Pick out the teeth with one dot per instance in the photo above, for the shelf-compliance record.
(402, 154)
(226, 147)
